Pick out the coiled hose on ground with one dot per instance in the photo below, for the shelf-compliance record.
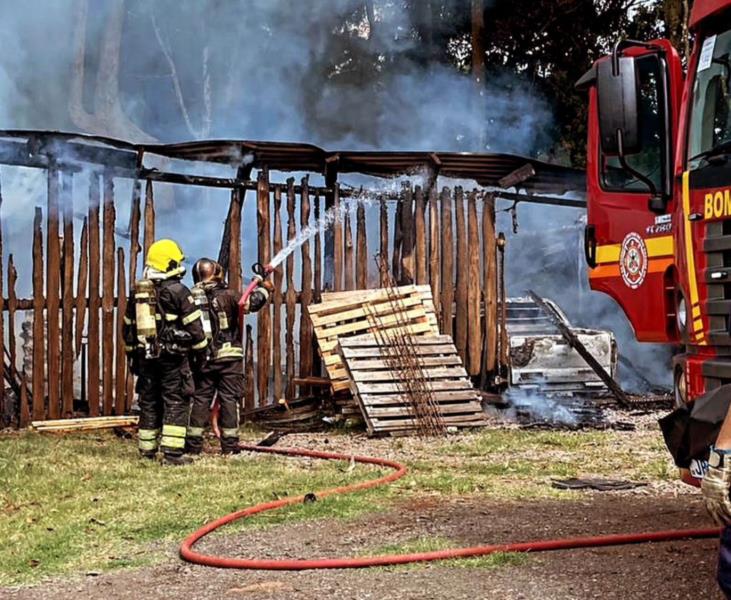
(190, 555)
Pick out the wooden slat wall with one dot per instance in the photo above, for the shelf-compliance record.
(437, 241)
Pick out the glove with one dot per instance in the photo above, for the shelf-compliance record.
(268, 286)
(715, 487)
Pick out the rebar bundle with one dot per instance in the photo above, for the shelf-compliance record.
(402, 357)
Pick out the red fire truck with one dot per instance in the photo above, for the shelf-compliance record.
(658, 235)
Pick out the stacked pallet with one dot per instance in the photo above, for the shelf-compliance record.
(382, 392)
(340, 315)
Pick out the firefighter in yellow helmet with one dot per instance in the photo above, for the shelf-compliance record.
(163, 335)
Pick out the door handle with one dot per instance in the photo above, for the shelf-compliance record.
(590, 245)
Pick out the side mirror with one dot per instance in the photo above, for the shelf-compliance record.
(618, 106)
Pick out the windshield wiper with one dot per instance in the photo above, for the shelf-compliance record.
(722, 148)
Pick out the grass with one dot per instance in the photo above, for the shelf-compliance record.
(432, 543)
(85, 502)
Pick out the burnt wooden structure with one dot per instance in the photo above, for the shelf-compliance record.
(444, 238)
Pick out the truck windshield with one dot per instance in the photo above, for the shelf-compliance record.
(710, 120)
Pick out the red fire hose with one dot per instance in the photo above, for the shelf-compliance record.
(187, 552)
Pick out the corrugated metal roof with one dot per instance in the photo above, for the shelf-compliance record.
(485, 169)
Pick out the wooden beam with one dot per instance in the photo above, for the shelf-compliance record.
(149, 228)
(397, 240)
(277, 300)
(420, 237)
(249, 382)
(435, 264)
(39, 363)
(53, 284)
(489, 288)
(460, 328)
(67, 327)
(361, 254)
(108, 295)
(120, 361)
(291, 295)
(317, 285)
(348, 266)
(12, 307)
(447, 323)
(134, 233)
(94, 300)
(235, 281)
(82, 279)
(264, 316)
(407, 274)
(474, 331)
(306, 347)
(337, 241)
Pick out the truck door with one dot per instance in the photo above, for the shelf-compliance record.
(629, 233)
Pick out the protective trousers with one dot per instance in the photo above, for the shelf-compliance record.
(165, 388)
(724, 562)
(225, 380)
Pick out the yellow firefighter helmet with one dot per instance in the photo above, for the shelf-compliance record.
(165, 256)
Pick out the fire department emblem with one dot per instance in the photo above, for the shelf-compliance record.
(633, 260)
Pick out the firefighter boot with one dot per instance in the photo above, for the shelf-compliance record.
(176, 460)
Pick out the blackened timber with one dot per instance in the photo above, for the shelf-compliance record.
(234, 256)
(291, 296)
(53, 284)
(249, 382)
(361, 254)
(38, 375)
(134, 232)
(2, 317)
(277, 300)
(317, 286)
(460, 327)
(120, 361)
(264, 316)
(348, 255)
(435, 266)
(94, 300)
(406, 275)
(447, 263)
(331, 177)
(149, 229)
(81, 284)
(573, 340)
(108, 296)
(383, 249)
(474, 333)
(337, 229)
(420, 237)
(67, 326)
(489, 289)
(12, 307)
(306, 346)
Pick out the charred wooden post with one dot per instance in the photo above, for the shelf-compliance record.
(348, 265)
(291, 296)
(474, 333)
(53, 284)
(489, 288)
(12, 308)
(317, 286)
(331, 180)
(120, 359)
(234, 256)
(224, 252)
(108, 296)
(407, 236)
(397, 240)
(460, 329)
(39, 371)
(94, 300)
(447, 263)
(337, 229)
(249, 383)
(134, 233)
(504, 354)
(149, 231)
(277, 300)
(435, 242)
(306, 333)
(81, 283)
(264, 317)
(67, 326)
(420, 236)
(383, 249)
(361, 254)
(2, 316)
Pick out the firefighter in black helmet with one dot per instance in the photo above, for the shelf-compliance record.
(222, 376)
(163, 329)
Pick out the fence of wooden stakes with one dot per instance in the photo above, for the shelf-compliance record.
(63, 350)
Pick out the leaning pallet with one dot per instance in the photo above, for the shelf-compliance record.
(341, 315)
(382, 394)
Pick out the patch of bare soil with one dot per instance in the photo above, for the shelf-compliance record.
(665, 570)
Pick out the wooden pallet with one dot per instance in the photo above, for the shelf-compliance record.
(345, 314)
(380, 392)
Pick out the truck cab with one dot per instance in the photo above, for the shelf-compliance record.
(658, 234)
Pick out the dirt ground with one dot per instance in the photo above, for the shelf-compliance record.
(666, 570)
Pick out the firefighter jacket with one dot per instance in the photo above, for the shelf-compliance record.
(179, 324)
(226, 332)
